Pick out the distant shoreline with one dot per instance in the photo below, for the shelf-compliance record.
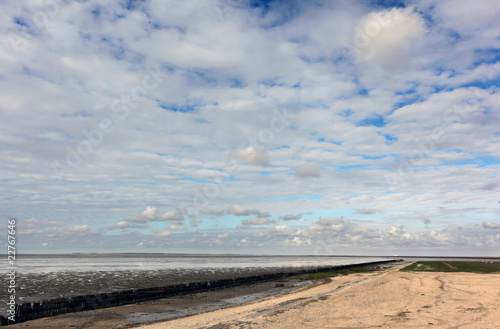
(251, 255)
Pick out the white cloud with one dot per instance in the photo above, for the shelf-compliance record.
(251, 155)
(307, 171)
(172, 216)
(34, 225)
(491, 225)
(279, 230)
(178, 228)
(238, 210)
(331, 224)
(160, 234)
(292, 216)
(195, 222)
(121, 225)
(256, 221)
(368, 211)
(150, 214)
(297, 242)
(386, 36)
(466, 17)
(223, 236)
(79, 229)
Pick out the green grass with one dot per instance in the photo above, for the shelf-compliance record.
(347, 271)
(290, 301)
(282, 280)
(455, 266)
(275, 313)
(304, 304)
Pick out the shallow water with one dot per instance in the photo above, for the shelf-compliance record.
(123, 262)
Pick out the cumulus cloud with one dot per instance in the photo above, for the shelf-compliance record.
(386, 36)
(124, 226)
(280, 230)
(172, 216)
(61, 233)
(466, 17)
(150, 214)
(251, 155)
(214, 212)
(160, 234)
(34, 225)
(79, 229)
(31, 221)
(174, 227)
(256, 221)
(491, 225)
(238, 210)
(368, 211)
(121, 225)
(223, 236)
(331, 224)
(195, 221)
(296, 242)
(292, 216)
(307, 171)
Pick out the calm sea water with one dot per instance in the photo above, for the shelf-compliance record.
(151, 262)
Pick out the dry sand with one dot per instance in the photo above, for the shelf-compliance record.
(391, 299)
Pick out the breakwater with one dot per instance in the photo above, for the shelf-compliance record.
(34, 310)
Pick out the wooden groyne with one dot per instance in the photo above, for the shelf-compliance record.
(35, 310)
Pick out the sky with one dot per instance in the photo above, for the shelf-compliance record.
(251, 127)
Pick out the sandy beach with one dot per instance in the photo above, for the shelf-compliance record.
(383, 299)
(390, 299)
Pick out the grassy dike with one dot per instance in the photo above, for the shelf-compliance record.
(454, 266)
(329, 274)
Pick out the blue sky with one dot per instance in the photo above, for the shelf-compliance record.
(238, 126)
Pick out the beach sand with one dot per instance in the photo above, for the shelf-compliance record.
(390, 299)
(384, 299)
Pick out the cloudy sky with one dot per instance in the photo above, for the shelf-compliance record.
(245, 126)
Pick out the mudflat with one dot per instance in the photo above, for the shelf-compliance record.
(388, 299)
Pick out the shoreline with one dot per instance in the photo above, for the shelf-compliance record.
(54, 307)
